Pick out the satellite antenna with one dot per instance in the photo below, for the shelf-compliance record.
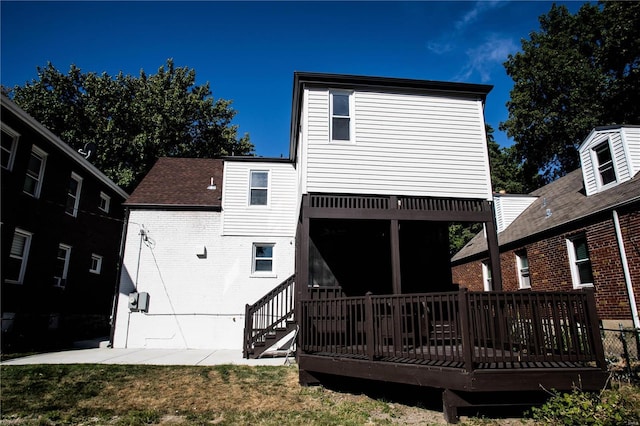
(88, 151)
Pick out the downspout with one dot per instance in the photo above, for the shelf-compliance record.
(625, 270)
(116, 292)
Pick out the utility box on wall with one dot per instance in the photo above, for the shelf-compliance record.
(139, 302)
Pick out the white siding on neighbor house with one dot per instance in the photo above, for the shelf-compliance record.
(408, 144)
(196, 300)
(631, 138)
(509, 207)
(622, 152)
(278, 218)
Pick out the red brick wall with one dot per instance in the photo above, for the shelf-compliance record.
(549, 265)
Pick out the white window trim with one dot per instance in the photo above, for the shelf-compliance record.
(519, 270)
(43, 155)
(61, 281)
(107, 202)
(98, 269)
(263, 274)
(76, 201)
(352, 121)
(573, 265)
(268, 188)
(12, 154)
(25, 255)
(596, 165)
(487, 282)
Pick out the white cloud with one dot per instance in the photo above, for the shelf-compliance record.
(484, 58)
(479, 8)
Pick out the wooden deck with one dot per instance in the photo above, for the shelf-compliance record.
(463, 342)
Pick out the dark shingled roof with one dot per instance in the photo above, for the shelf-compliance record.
(567, 202)
(180, 182)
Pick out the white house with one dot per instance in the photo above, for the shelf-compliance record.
(202, 254)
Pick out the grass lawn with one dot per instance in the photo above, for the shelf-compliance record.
(175, 395)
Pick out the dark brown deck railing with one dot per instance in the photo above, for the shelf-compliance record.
(268, 314)
(469, 330)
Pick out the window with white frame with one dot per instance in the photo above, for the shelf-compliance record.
(259, 188)
(579, 261)
(73, 195)
(17, 263)
(262, 258)
(62, 265)
(35, 171)
(8, 147)
(96, 264)
(604, 162)
(522, 266)
(105, 202)
(341, 110)
(486, 276)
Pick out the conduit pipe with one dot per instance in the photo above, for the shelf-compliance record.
(625, 270)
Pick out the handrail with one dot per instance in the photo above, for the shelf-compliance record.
(466, 329)
(268, 314)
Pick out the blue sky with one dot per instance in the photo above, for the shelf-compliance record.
(248, 51)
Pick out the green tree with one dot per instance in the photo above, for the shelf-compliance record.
(133, 120)
(577, 72)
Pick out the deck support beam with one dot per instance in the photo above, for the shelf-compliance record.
(396, 280)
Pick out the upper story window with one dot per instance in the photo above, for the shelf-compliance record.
(604, 164)
(522, 265)
(105, 202)
(341, 110)
(9, 145)
(579, 261)
(62, 265)
(35, 171)
(259, 188)
(17, 264)
(73, 195)
(96, 264)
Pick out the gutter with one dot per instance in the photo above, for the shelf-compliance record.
(626, 272)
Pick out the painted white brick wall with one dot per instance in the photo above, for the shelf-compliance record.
(195, 302)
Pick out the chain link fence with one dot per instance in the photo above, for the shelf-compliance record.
(622, 352)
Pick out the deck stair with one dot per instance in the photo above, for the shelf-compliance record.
(269, 321)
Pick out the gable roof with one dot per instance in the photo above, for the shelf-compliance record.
(180, 183)
(566, 202)
(61, 145)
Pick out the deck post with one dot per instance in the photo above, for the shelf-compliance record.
(465, 329)
(368, 317)
(494, 251)
(248, 330)
(598, 349)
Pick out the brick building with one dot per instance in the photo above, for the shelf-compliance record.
(581, 231)
(62, 221)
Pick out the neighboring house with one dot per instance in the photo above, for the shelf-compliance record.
(62, 221)
(580, 231)
(200, 263)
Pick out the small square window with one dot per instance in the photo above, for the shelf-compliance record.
(105, 202)
(96, 264)
(262, 258)
(259, 188)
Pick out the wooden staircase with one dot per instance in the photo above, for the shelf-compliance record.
(269, 320)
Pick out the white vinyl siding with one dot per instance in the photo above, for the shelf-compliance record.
(403, 144)
(509, 207)
(278, 218)
(624, 145)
